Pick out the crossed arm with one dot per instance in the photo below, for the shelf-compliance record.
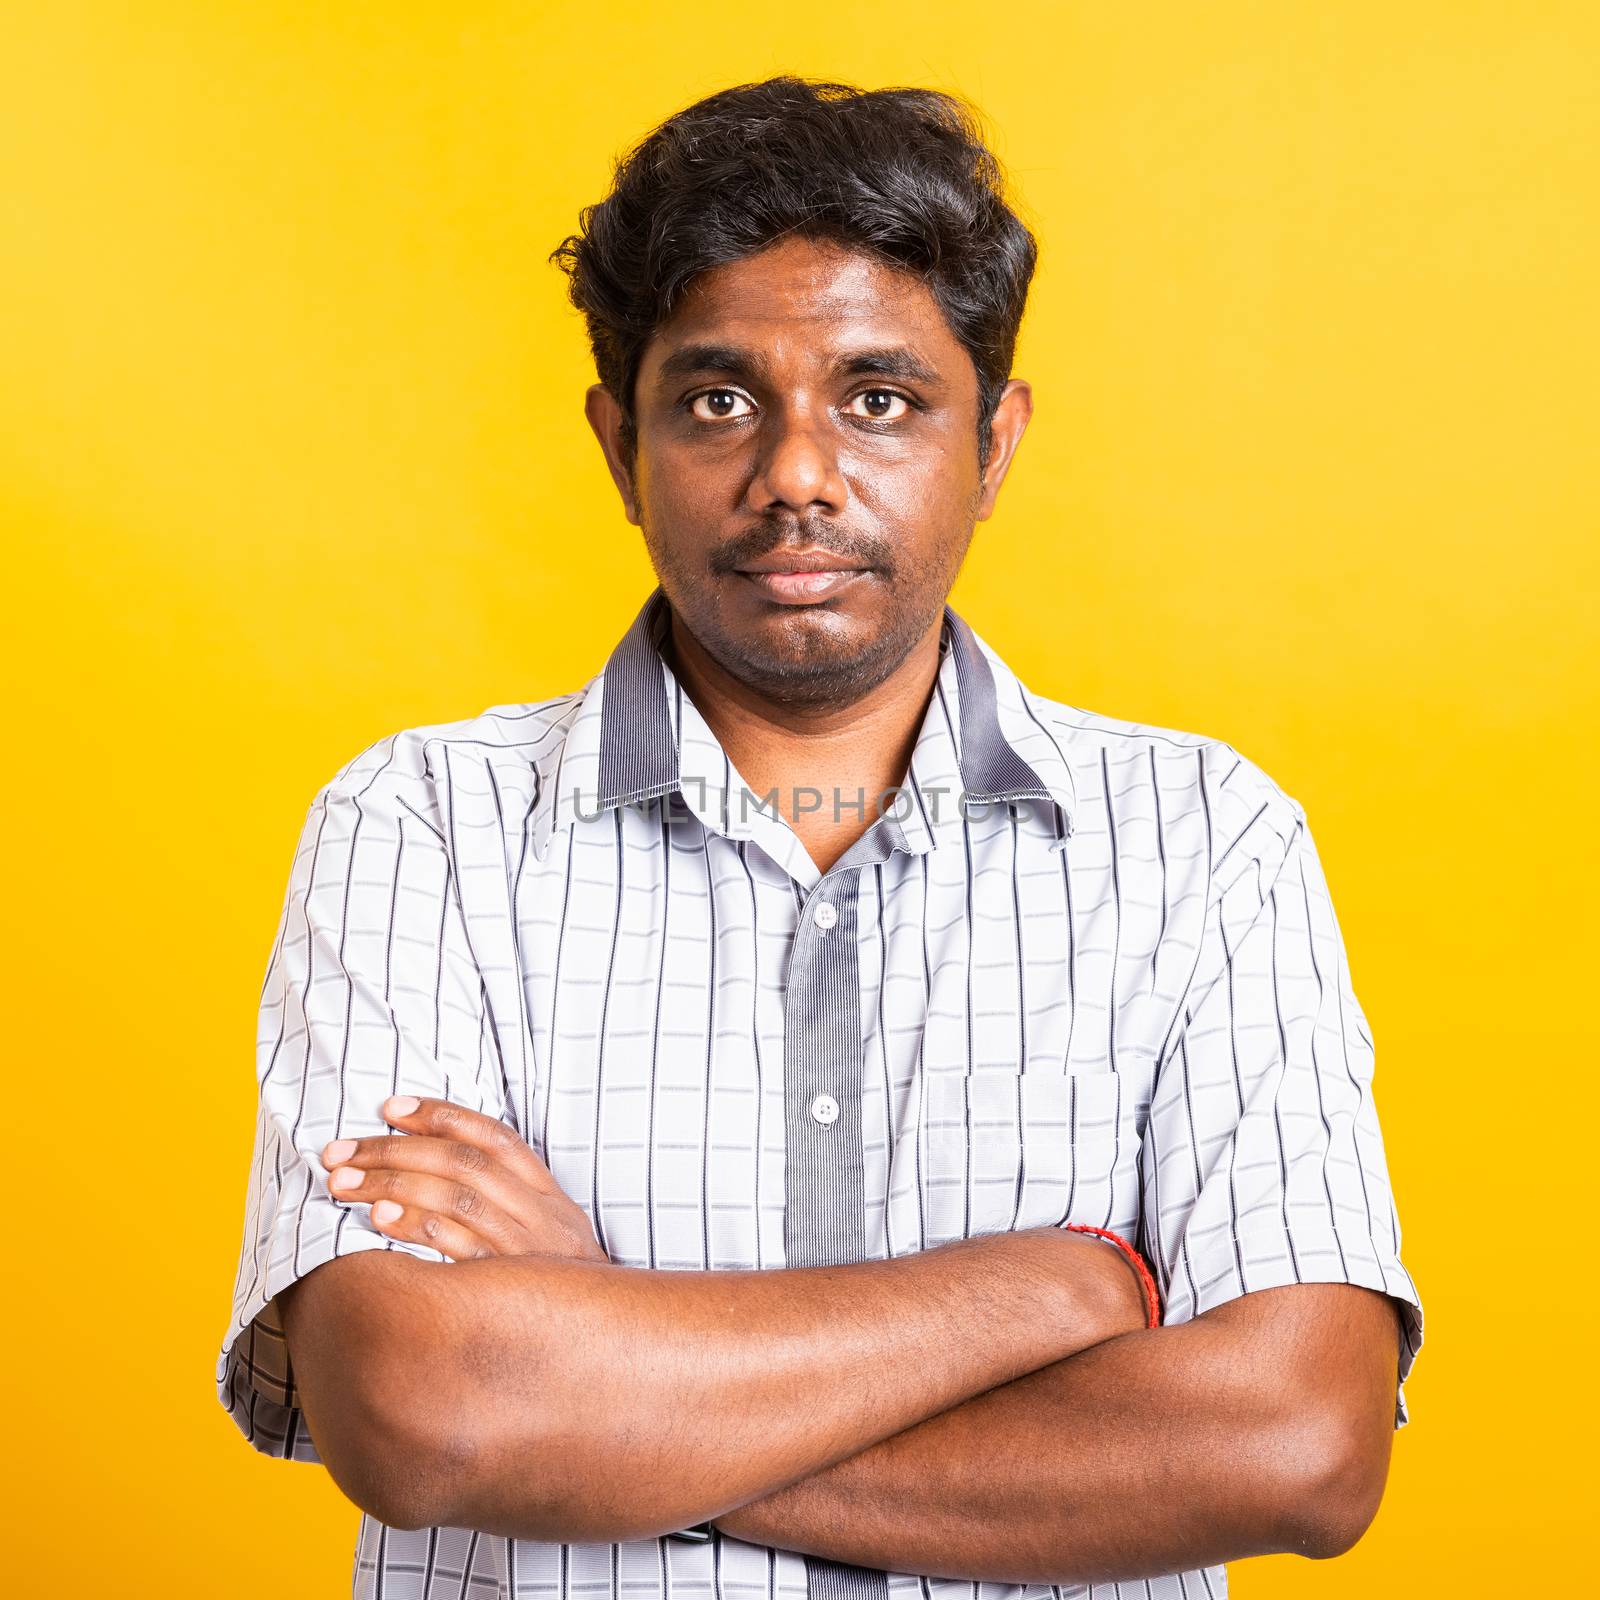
(1261, 1427)
(988, 1409)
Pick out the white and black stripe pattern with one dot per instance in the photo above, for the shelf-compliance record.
(1117, 994)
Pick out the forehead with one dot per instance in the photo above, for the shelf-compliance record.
(807, 297)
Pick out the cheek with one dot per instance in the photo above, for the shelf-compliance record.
(927, 495)
(688, 487)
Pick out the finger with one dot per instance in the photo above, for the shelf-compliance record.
(444, 1234)
(459, 1203)
(447, 1119)
(546, 1215)
(462, 1163)
(417, 1152)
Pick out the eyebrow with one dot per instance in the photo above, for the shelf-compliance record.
(891, 361)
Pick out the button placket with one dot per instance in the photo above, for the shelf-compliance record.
(825, 1196)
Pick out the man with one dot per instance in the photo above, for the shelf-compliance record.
(712, 1122)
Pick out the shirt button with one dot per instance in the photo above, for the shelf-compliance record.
(824, 916)
(825, 1109)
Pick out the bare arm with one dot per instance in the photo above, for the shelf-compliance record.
(1263, 1426)
(554, 1398)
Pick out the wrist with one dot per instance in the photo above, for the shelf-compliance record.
(1133, 1263)
(1091, 1290)
(1081, 1289)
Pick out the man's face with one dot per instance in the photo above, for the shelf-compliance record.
(808, 408)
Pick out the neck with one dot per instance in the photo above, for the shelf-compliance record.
(862, 748)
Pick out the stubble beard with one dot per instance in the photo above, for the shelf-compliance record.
(809, 667)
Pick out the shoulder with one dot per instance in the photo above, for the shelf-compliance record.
(510, 748)
(1250, 821)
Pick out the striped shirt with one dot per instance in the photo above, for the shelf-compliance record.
(1078, 970)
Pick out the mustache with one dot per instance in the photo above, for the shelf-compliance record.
(802, 533)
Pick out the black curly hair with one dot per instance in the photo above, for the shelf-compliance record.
(900, 173)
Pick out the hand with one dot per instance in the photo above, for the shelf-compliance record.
(461, 1182)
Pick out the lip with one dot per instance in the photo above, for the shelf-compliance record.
(802, 586)
(812, 560)
(800, 577)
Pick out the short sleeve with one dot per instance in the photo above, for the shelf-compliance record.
(371, 990)
(1263, 1163)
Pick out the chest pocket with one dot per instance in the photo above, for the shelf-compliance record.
(1009, 1149)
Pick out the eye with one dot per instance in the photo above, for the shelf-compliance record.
(717, 405)
(880, 405)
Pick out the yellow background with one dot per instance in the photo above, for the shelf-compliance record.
(291, 456)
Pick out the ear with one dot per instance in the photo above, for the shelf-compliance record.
(1005, 434)
(605, 417)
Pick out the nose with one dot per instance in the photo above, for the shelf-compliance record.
(798, 467)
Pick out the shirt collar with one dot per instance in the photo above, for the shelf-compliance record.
(636, 734)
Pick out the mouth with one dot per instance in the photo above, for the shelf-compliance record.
(800, 577)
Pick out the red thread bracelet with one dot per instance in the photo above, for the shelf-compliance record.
(1152, 1299)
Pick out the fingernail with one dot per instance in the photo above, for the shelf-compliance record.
(345, 1178)
(385, 1211)
(401, 1105)
(338, 1150)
